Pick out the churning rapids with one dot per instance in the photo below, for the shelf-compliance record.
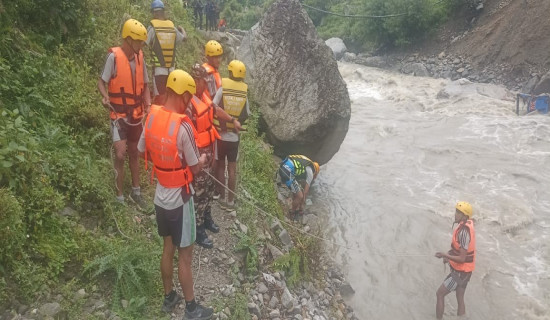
(414, 147)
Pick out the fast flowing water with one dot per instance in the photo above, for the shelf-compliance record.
(415, 147)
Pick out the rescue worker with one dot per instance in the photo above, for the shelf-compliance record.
(197, 13)
(162, 38)
(202, 115)
(232, 98)
(298, 172)
(169, 139)
(123, 85)
(461, 257)
(213, 51)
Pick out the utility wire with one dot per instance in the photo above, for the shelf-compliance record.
(361, 16)
(354, 16)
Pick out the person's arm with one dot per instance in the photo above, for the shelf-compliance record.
(461, 258)
(146, 93)
(188, 147)
(181, 35)
(105, 77)
(224, 116)
(102, 87)
(464, 241)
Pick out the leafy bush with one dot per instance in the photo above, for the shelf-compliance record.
(12, 228)
(133, 270)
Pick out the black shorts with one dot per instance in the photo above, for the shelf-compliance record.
(123, 131)
(457, 279)
(178, 223)
(227, 149)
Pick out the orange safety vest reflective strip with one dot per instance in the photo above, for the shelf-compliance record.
(125, 89)
(203, 116)
(469, 264)
(161, 136)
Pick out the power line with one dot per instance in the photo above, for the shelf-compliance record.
(355, 16)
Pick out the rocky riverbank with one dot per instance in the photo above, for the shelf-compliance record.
(447, 66)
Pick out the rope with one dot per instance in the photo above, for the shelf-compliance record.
(288, 224)
(123, 119)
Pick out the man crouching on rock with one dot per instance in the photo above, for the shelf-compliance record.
(294, 171)
(170, 140)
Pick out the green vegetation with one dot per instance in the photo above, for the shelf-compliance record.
(56, 175)
(420, 18)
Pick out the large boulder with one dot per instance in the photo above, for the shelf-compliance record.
(544, 85)
(337, 46)
(294, 78)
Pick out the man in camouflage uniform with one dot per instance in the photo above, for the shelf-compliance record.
(202, 182)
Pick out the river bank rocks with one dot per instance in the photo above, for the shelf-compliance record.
(453, 67)
(294, 78)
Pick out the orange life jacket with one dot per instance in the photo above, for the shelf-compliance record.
(211, 70)
(469, 264)
(203, 117)
(161, 136)
(126, 90)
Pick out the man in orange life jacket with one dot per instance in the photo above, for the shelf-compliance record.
(461, 257)
(162, 37)
(123, 85)
(169, 138)
(203, 116)
(213, 51)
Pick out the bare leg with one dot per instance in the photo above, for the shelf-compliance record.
(297, 200)
(167, 264)
(185, 272)
(120, 156)
(440, 306)
(460, 300)
(134, 163)
(232, 180)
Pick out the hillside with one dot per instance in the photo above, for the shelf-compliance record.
(511, 35)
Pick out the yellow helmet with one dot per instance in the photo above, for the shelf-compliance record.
(180, 82)
(237, 68)
(316, 167)
(134, 29)
(213, 49)
(465, 208)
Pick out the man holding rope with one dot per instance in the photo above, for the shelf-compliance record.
(295, 171)
(461, 257)
(123, 86)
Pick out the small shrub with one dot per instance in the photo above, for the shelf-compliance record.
(12, 229)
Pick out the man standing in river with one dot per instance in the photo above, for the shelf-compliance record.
(461, 257)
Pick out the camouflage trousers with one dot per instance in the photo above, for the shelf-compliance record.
(204, 188)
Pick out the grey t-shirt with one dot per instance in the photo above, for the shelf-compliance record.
(171, 198)
(162, 71)
(109, 70)
(229, 136)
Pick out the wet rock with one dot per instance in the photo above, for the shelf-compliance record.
(292, 71)
(530, 85)
(349, 57)
(346, 289)
(415, 68)
(337, 46)
(376, 62)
